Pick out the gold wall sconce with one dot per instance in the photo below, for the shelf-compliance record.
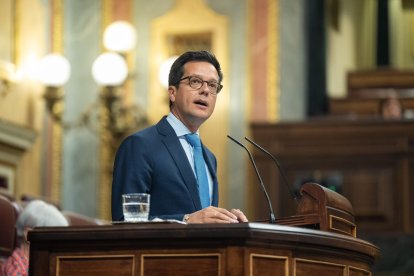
(119, 37)
(7, 77)
(54, 72)
(110, 71)
(117, 116)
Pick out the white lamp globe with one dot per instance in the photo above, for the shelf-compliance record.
(164, 70)
(54, 70)
(109, 69)
(119, 37)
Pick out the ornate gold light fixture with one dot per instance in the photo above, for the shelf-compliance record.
(54, 72)
(7, 76)
(110, 71)
(119, 37)
(117, 117)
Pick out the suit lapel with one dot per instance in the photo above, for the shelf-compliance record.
(173, 145)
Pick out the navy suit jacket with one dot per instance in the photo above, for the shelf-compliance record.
(153, 161)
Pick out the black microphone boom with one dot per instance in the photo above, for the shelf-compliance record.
(277, 165)
(272, 214)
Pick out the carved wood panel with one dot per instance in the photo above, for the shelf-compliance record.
(366, 161)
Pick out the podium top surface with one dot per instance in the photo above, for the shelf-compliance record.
(178, 234)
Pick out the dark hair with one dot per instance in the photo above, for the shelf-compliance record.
(177, 69)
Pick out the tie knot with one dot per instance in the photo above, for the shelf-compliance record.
(194, 140)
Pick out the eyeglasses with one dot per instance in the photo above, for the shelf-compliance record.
(196, 83)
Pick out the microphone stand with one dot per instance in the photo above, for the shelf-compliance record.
(272, 214)
(292, 194)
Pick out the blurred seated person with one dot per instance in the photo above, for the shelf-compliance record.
(37, 213)
(391, 108)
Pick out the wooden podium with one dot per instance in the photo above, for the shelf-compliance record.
(323, 209)
(196, 249)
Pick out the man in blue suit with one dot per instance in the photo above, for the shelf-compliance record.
(160, 160)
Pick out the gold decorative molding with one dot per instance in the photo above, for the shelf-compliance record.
(109, 143)
(273, 91)
(56, 144)
(266, 256)
(105, 152)
(16, 136)
(57, 26)
(61, 259)
(15, 141)
(192, 20)
(341, 267)
(180, 255)
(106, 15)
(106, 155)
(8, 29)
(249, 80)
(358, 271)
(55, 188)
(16, 30)
(334, 220)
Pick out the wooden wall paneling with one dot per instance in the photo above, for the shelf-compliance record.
(408, 202)
(366, 88)
(366, 161)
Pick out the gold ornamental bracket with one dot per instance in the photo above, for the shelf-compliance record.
(7, 77)
(117, 119)
(54, 102)
(54, 73)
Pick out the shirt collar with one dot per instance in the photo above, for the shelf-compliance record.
(178, 126)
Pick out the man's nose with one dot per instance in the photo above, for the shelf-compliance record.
(204, 88)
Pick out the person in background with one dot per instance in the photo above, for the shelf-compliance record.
(35, 214)
(162, 159)
(391, 108)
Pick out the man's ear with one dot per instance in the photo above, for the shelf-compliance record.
(172, 90)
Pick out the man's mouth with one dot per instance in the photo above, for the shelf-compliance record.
(201, 102)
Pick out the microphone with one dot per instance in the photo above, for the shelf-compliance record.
(272, 214)
(278, 166)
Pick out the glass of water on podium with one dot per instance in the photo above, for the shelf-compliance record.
(136, 207)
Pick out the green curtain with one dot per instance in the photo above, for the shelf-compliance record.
(366, 34)
(401, 35)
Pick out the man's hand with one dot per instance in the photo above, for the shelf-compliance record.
(239, 214)
(213, 214)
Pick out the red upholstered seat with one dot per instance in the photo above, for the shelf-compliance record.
(8, 234)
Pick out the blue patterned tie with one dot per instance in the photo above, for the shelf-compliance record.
(200, 169)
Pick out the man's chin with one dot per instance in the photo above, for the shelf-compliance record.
(200, 117)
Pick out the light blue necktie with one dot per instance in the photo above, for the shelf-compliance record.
(200, 169)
